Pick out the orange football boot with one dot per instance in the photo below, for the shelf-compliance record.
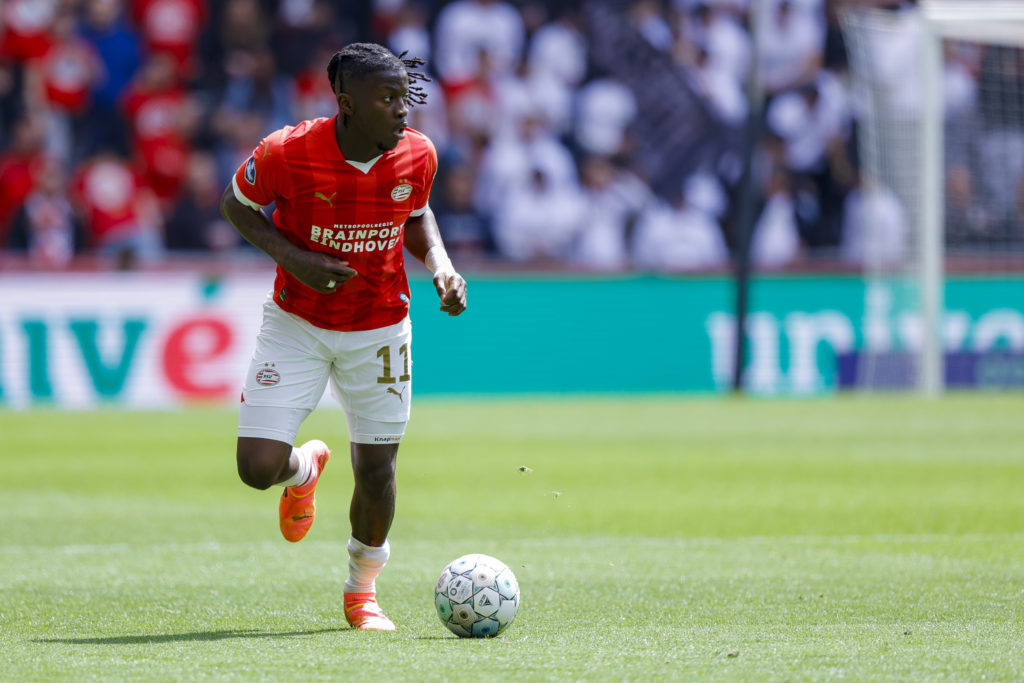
(363, 612)
(298, 503)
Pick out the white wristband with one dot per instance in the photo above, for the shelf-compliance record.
(437, 260)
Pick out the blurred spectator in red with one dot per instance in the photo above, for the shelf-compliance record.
(59, 86)
(18, 166)
(195, 223)
(120, 53)
(162, 117)
(25, 28)
(314, 97)
(46, 227)
(472, 110)
(120, 212)
(172, 27)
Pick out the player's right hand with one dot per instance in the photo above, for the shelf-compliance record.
(322, 272)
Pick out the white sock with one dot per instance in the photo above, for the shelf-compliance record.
(304, 472)
(364, 564)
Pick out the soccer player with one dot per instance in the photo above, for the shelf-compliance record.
(350, 192)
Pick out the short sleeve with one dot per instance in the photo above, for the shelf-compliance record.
(258, 181)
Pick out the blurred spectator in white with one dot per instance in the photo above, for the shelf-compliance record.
(716, 86)
(809, 120)
(162, 117)
(172, 27)
(814, 125)
(704, 191)
(18, 168)
(613, 199)
(961, 66)
(775, 241)
(195, 222)
(648, 18)
(121, 54)
(895, 56)
(120, 213)
(513, 159)
(25, 27)
(605, 108)
(876, 231)
(59, 84)
(717, 27)
(538, 221)
(791, 49)
(465, 28)
(559, 48)
(255, 101)
(528, 92)
(678, 236)
(46, 227)
(466, 230)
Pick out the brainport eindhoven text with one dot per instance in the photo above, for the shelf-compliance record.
(356, 239)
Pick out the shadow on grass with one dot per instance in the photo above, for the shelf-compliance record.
(199, 636)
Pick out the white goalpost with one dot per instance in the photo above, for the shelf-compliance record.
(913, 106)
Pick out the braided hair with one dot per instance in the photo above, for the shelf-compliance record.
(361, 59)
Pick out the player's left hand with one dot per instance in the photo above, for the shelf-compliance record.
(451, 287)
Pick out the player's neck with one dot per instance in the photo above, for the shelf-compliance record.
(352, 147)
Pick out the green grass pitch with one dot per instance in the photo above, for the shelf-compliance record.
(657, 538)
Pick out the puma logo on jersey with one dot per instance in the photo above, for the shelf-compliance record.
(329, 200)
(392, 390)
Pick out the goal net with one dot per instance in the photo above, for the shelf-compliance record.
(939, 95)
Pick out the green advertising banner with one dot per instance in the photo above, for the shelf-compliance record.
(155, 340)
(650, 334)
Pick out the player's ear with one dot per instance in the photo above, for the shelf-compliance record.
(344, 103)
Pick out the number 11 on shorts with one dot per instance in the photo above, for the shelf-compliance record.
(384, 353)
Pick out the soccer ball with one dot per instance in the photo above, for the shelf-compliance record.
(476, 596)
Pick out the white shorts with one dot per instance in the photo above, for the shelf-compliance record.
(370, 373)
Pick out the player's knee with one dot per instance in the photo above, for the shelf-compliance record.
(259, 470)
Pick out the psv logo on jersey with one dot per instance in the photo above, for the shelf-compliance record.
(402, 191)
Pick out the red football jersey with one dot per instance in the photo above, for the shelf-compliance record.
(354, 211)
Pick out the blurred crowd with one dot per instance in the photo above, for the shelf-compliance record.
(121, 121)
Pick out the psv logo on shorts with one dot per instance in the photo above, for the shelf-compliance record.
(401, 192)
(267, 376)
